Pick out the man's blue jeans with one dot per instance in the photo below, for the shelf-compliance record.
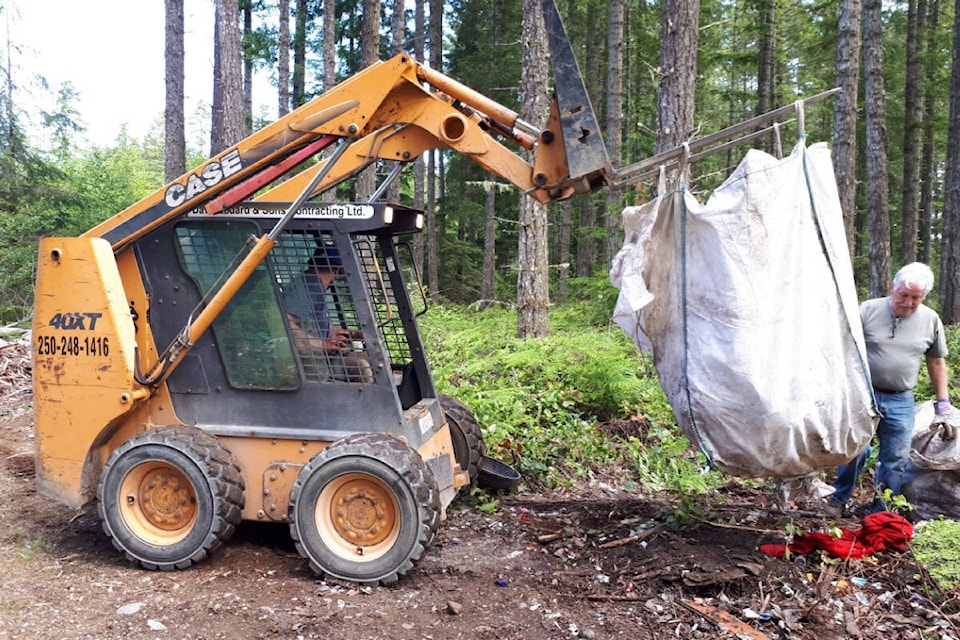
(894, 434)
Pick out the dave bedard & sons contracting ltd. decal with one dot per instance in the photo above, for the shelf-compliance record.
(334, 211)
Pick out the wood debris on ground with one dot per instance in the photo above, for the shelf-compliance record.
(15, 367)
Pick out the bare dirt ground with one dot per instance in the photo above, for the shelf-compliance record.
(576, 565)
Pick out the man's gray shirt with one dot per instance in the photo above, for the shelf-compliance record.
(895, 345)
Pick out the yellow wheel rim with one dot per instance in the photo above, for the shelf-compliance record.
(358, 517)
(158, 502)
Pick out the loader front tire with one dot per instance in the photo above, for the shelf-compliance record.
(169, 497)
(467, 438)
(364, 509)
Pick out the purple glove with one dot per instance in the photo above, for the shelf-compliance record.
(941, 406)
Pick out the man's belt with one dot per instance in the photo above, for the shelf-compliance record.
(888, 391)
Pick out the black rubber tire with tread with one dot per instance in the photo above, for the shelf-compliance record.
(196, 457)
(393, 467)
(468, 447)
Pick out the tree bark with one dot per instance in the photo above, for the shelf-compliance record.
(950, 252)
(563, 269)
(928, 169)
(247, 12)
(488, 291)
(329, 44)
(845, 114)
(591, 244)
(174, 125)
(369, 54)
(533, 294)
(283, 59)
(765, 73)
(300, 53)
(878, 190)
(614, 121)
(679, 25)
(435, 43)
(912, 126)
(586, 239)
(227, 126)
(398, 28)
(419, 165)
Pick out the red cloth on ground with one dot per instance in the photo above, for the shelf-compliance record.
(881, 531)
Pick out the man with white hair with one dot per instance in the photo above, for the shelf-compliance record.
(898, 329)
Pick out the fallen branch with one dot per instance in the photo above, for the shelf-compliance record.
(636, 538)
(611, 598)
(724, 525)
(723, 620)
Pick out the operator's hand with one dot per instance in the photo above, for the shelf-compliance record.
(339, 340)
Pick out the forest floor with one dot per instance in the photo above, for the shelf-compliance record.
(584, 563)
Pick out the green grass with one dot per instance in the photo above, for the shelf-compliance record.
(936, 545)
(547, 405)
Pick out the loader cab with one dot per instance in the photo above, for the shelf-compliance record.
(322, 340)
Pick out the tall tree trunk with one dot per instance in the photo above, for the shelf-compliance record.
(614, 120)
(678, 68)
(174, 136)
(878, 196)
(300, 53)
(845, 114)
(950, 252)
(283, 59)
(227, 126)
(329, 44)
(767, 18)
(913, 123)
(488, 291)
(369, 54)
(861, 234)
(590, 242)
(563, 251)
(435, 43)
(247, 11)
(928, 171)
(419, 165)
(398, 29)
(586, 239)
(433, 271)
(533, 292)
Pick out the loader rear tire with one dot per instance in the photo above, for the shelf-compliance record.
(468, 448)
(364, 509)
(169, 497)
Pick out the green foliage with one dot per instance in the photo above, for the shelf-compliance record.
(577, 404)
(664, 461)
(923, 390)
(67, 196)
(31, 198)
(897, 502)
(591, 303)
(688, 516)
(483, 501)
(936, 545)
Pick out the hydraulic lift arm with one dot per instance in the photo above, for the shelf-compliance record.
(395, 109)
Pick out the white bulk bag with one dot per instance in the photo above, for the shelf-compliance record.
(749, 307)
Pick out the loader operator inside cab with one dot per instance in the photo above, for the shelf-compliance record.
(329, 351)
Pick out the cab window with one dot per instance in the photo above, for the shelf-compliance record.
(250, 332)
